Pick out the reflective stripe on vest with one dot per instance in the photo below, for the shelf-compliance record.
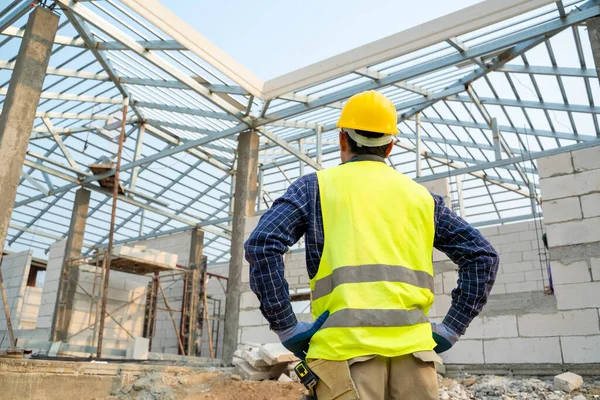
(371, 273)
(376, 275)
(351, 317)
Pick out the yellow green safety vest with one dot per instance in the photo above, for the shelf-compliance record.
(376, 273)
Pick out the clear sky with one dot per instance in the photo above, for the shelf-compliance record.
(272, 37)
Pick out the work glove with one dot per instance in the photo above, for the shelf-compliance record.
(444, 337)
(297, 338)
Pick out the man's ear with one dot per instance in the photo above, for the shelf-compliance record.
(343, 141)
(389, 148)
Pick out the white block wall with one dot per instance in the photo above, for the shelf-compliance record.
(521, 324)
(165, 338)
(126, 304)
(15, 271)
(569, 331)
(522, 259)
(50, 288)
(214, 290)
(31, 307)
(123, 288)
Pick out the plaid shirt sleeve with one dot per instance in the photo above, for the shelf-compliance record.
(477, 262)
(279, 228)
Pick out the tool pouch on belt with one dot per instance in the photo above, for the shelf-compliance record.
(335, 382)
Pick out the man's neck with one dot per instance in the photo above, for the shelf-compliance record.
(365, 157)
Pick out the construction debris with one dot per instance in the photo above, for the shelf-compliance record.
(267, 361)
(285, 378)
(568, 381)
(275, 353)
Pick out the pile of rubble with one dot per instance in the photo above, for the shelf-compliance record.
(563, 387)
(266, 361)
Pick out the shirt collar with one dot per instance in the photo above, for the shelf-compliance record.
(366, 157)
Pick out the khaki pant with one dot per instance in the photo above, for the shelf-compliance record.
(409, 377)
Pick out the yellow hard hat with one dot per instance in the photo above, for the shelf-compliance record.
(369, 111)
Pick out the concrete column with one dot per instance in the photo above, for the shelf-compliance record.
(496, 139)
(244, 199)
(419, 145)
(593, 25)
(18, 114)
(70, 276)
(21, 102)
(196, 295)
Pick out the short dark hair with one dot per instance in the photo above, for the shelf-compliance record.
(356, 149)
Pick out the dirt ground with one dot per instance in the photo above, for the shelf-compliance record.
(221, 385)
(210, 385)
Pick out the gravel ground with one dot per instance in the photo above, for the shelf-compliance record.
(489, 387)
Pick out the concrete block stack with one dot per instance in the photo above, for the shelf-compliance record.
(144, 253)
(267, 361)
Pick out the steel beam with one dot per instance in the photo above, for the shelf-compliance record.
(514, 160)
(139, 143)
(522, 41)
(60, 143)
(75, 97)
(34, 182)
(551, 71)
(418, 149)
(120, 36)
(21, 9)
(287, 147)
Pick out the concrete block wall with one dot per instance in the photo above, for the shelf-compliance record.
(570, 184)
(15, 271)
(31, 308)
(56, 257)
(126, 304)
(440, 187)
(522, 259)
(214, 290)
(165, 338)
(253, 327)
(538, 329)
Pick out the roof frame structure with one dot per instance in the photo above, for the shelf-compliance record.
(478, 79)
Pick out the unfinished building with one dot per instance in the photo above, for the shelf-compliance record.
(137, 157)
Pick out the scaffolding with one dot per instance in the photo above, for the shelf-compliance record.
(188, 331)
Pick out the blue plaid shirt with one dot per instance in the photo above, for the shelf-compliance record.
(298, 213)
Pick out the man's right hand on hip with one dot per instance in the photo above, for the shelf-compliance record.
(297, 338)
(444, 337)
